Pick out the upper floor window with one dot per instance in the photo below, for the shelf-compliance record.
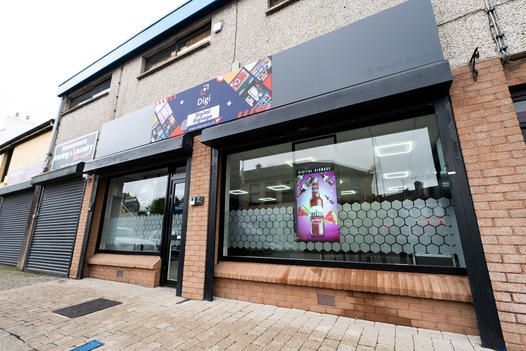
(519, 101)
(179, 45)
(274, 5)
(89, 92)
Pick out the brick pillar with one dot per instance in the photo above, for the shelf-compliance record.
(196, 232)
(81, 229)
(495, 156)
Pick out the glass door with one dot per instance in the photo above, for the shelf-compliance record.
(175, 229)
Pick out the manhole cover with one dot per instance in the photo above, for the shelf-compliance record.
(85, 308)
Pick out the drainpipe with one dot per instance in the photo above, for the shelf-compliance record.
(54, 136)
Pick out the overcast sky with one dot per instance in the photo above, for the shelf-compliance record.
(46, 42)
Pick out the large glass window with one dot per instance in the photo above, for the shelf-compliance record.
(377, 195)
(134, 212)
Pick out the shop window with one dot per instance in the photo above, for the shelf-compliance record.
(89, 93)
(377, 195)
(178, 46)
(519, 101)
(134, 212)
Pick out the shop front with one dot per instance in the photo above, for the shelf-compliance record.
(138, 217)
(326, 177)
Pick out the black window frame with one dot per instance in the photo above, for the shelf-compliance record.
(171, 45)
(518, 94)
(89, 92)
(107, 180)
(328, 130)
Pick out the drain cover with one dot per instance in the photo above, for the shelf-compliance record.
(85, 308)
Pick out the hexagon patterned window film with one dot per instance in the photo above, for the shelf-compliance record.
(392, 203)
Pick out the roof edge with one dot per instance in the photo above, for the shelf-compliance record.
(20, 138)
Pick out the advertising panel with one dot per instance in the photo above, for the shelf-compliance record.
(237, 94)
(74, 151)
(24, 173)
(316, 204)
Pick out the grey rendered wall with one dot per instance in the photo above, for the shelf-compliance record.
(463, 25)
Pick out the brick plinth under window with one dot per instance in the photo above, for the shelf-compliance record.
(495, 157)
(457, 317)
(196, 232)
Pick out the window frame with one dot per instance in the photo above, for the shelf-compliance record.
(518, 94)
(276, 7)
(85, 89)
(100, 230)
(173, 41)
(312, 135)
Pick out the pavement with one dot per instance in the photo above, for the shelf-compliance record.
(155, 319)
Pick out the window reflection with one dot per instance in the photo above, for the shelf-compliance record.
(134, 212)
(393, 203)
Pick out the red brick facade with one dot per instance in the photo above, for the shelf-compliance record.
(197, 225)
(495, 157)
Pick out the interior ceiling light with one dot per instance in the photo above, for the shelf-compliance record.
(397, 188)
(348, 192)
(300, 160)
(266, 199)
(394, 149)
(238, 192)
(279, 187)
(396, 175)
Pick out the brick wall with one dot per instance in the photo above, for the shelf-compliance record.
(196, 232)
(457, 317)
(81, 229)
(495, 156)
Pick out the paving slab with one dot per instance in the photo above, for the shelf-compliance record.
(152, 319)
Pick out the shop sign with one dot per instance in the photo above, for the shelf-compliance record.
(24, 173)
(74, 151)
(316, 204)
(237, 94)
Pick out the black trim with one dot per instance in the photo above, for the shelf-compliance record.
(9, 155)
(479, 279)
(432, 77)
(59, 174)
(11, 189)
(211, 229)
(180, 269)
(131, 161)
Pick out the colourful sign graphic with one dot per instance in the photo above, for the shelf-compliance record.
(75, 151)
(317, 205)
(237, 94)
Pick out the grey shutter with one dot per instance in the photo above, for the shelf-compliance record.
(14, 214)
(56, 228)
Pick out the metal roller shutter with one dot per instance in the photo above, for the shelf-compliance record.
(56, 228)
(14, 213)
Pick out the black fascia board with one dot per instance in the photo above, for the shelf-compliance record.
(59, 174)
(35, 131)
(147, 38)
(11, 189)
(436, 75)
(158, 152)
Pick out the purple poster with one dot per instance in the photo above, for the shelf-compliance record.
(317, 205)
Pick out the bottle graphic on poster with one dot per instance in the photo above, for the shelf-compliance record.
(305, 186)
(317, 219)
(327, 179)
